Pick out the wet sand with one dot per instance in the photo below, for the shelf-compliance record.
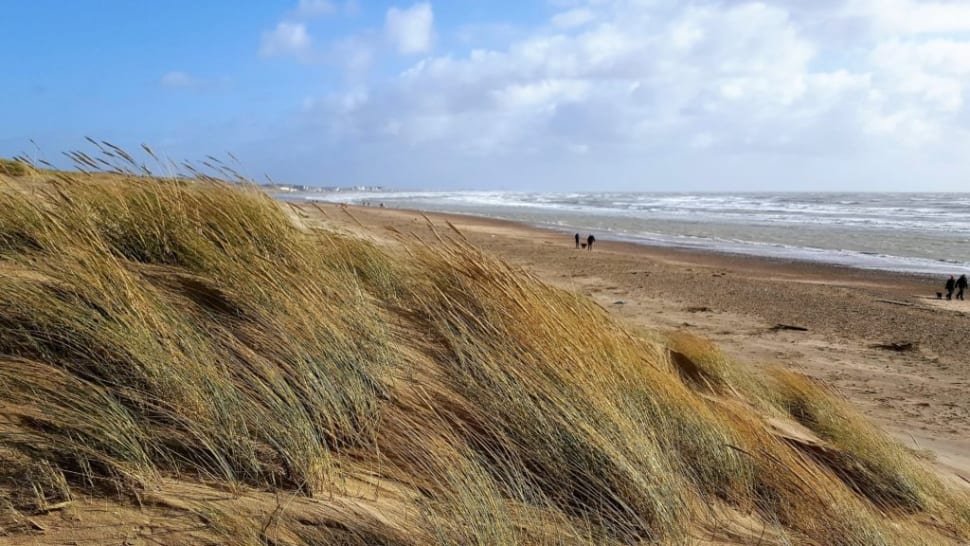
(882, 339)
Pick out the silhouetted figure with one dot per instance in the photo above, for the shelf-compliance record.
(950, 285)
(589, 242)
(961, 286)
(577, 240)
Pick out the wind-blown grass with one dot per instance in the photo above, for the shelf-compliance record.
(13, 167)
(188, 335)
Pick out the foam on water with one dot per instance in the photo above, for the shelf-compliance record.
(915, 232)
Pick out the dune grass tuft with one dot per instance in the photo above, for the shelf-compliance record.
(14, 167)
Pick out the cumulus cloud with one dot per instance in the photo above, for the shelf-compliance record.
(616, 88)
(931, 72)
(291, 37)
(286, 39)
(627, 78)
(410, 30)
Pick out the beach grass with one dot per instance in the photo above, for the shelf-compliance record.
(14, 167)
(191, 344)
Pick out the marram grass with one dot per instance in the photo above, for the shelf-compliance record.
(187, 344)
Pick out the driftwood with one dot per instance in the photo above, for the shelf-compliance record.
(698, 309)
(898, 346)
(790, 327)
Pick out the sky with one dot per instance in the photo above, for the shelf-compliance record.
(541, 95)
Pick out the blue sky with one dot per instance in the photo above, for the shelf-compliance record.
(721, 95)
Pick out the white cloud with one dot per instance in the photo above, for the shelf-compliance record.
(618, 88)
(355, 54)
(933, 72)
(913, 16)
(291, 37)
(286, 39)
(544, 95)
(626, 78)
(908, 127)
(573, 18)
(410, 30)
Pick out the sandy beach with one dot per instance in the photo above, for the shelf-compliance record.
(881, 339)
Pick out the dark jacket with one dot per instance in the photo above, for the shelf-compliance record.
(950, 283)
(962, 282)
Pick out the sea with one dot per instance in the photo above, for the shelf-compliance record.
(921, 233)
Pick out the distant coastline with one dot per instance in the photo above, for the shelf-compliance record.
(286, 189)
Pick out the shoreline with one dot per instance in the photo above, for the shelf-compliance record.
(876, 261)
(685, 253)
(739, 253)
(852, 317)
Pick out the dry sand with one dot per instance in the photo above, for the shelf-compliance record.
(920, 394)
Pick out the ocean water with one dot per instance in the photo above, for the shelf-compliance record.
(926, 233)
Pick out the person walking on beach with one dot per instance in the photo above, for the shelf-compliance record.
(950, 285)
(589, 242)
(961, 286)
(577, 240)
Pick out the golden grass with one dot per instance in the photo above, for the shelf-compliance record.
(13, 167)
(192, 332)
